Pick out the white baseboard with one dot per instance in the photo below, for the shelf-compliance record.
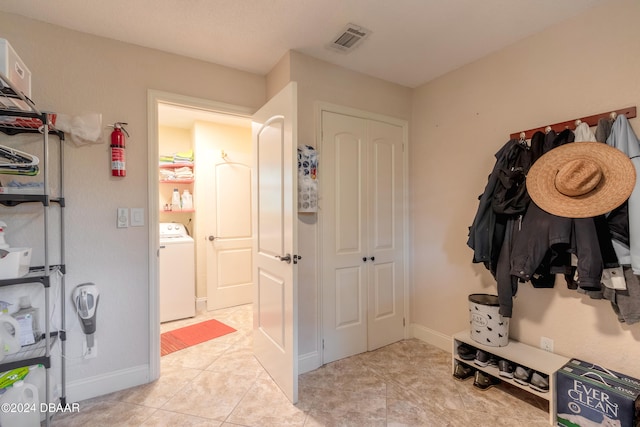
(432, 337)
(100, 385)
(308, 362)
(201, 304)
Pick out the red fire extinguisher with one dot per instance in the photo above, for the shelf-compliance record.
(117, 149)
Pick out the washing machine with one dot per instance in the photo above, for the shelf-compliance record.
(177, 272)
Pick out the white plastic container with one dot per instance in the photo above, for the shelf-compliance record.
(37, 378)
(14, 69)
(488, 327)
(175, 200)
(15, 263)
(28, 318)
(24, 396)
(9, 335)
(187, 200)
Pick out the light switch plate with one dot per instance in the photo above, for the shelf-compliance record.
(122, 221)
(137, 217)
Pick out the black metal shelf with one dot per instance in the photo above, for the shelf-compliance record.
(30, 355)
(14, 199)
(19, 115)
(35, 275)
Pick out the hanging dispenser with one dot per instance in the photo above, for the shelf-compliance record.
(85, 299)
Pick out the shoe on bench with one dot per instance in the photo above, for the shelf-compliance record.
(539, 382)
(506, 368)
(483, 381)
(482, 358)
(522, 375)
(463, 372)
(466, 352)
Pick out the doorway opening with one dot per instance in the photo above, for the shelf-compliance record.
(214, 142)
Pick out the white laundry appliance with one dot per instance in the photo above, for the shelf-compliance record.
(177, 273)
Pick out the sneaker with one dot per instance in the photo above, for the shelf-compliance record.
(506, 368)
(463, 372)
(482, 358)
(465, 352)
(484, 381)
(493, 361)
(522, 375)
(539, 382)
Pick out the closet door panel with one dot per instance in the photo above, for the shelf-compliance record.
(344, 245)
(349, 288)
(386, 231)
(348, 193)
(382, 194)
(383, 291)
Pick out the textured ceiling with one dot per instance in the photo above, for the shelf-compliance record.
(412, 41)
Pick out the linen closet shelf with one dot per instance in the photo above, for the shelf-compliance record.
(19, 115)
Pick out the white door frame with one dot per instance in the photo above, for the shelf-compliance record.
(155, 97)
(321, 106)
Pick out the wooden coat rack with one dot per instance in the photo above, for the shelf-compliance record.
(630, 112)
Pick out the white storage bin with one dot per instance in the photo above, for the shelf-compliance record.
(14, 69)
(488, 327)
(15, 263)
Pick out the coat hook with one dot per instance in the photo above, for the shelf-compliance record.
(613, 115)
(578, 122)
(223, 155)
(547, 129)
(522, 136)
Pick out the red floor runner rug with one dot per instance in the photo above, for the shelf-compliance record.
(191, 335)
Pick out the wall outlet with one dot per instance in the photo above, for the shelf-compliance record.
(90, 353)
(546, 344)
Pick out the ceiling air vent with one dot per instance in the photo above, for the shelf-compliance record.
(349, 38)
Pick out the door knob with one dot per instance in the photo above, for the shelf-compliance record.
(286, 258)
(212, 238)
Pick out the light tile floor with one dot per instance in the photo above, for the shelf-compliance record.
(220, 383)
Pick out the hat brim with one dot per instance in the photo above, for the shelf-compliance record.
(619, 177)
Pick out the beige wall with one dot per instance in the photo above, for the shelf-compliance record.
(75, 73)
(584, 66)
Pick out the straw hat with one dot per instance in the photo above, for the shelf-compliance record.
(581, 179)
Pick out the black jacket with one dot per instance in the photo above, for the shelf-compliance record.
(504, 196)
(542, 231)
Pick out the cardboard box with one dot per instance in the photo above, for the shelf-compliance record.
(14, 69)
(587, 397)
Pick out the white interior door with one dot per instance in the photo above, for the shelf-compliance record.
(229, 265)
(385, 234)
(363, 234)
(275, 239)
(345, 251)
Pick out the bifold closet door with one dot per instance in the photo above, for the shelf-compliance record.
(385, 234)
(362, 229)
